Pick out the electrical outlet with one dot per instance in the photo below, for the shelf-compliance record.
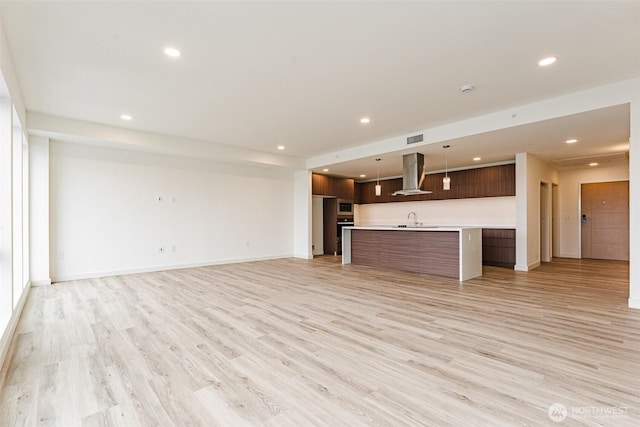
(173, 199)
(159, 198)
(161, 249)
(173, 248)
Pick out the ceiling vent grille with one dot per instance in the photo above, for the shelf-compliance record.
(415, 139)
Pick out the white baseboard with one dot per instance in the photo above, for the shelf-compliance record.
(95, 274)
(7, 336)
(634, 303)
(568, 255)
(45, 282)
(519, 267)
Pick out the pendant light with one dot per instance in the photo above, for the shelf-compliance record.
(446, 181)
(378, 186)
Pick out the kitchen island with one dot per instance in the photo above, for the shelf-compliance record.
(444, 251)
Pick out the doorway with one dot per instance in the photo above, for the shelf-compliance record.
(604, 208)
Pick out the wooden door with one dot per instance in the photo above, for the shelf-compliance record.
(605, 220)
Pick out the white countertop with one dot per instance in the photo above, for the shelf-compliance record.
(413, 228)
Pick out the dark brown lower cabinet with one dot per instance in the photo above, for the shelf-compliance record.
(499, 247)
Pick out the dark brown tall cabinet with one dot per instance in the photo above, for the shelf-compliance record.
(332, 188)
(330, 226)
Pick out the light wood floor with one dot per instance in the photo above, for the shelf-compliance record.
(296, 343)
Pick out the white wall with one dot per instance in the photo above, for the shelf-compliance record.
(569, 198)
(302, 215)
(486, 212)
(106, 216)
(530, 172)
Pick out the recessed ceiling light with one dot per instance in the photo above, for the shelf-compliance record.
(172, 52)
(365, 120)
(126, 117)
(476, 159)
(593, 164)
(363, 175)
(325, 170)
(280, 147)
(571, 141)
(547, 61)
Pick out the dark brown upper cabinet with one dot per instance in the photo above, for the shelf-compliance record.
(324, 185)
(492, 181)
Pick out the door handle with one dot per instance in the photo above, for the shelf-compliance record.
(584, 219)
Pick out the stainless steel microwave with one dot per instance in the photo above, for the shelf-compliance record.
(345, 207)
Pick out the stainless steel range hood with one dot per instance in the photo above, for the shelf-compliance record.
(412, 175)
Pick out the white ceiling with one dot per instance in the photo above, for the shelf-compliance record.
(301, 74)
(600, 133)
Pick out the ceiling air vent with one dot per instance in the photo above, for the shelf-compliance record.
(414, 139)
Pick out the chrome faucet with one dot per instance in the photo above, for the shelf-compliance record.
(415, 218)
